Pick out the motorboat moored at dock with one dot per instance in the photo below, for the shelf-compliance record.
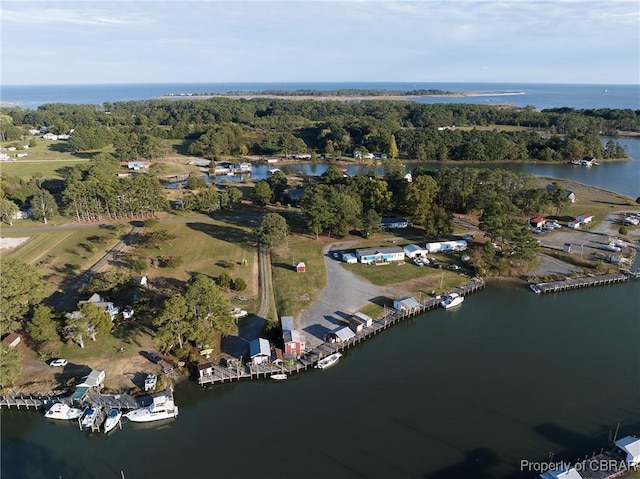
(113, 418)
(62, 411)
(451, 300)
(162, 407)
(329, 361)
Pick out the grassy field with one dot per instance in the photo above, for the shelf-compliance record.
(54, 252)
(210, 247)
(293, 291)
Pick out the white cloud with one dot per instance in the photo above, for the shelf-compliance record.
(35, 15)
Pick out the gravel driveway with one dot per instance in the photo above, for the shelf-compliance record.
(344, 295)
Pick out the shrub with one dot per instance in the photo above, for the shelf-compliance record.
(150, 222)
(139, 265)
(239, 284)
(171, 261)
(623, 230)
(224, 280)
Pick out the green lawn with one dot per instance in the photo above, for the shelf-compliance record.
(294, 291)
(54, 251)
(210, 247)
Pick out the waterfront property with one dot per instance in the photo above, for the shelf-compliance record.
(341, 335)
(94, 379)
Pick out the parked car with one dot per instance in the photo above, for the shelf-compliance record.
(58, 363)
(154, 357)
(454, 266)
(435, 263)
(418, 261)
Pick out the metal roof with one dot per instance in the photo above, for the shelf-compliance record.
(344, 333)
(259, 347)
(409, 302)
(287, 323)
(630, 444)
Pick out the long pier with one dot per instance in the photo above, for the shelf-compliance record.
(104, 401)
(221, 374)
(577, 283)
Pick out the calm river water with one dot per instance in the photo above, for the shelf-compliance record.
(622, 177)
(451, 394)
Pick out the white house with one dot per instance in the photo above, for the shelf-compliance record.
(537, 222)
(413, 250)
(585, 218)
(138, 165)
(94, 379)
(259, 351)
(107, 306)
(630, 447)
(406, 304)
(446, 246)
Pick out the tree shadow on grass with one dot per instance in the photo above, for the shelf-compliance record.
(227, 233)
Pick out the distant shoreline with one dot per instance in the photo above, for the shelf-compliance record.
(335, 97)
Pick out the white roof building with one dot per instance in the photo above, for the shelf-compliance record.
(408, 303)
(563, 472)
(94, 379)
(344, 333)
(631, 447)
(413, 250)
(259, 351)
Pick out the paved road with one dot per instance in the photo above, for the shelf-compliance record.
(344, 295)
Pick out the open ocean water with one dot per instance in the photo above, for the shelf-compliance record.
(540, 96)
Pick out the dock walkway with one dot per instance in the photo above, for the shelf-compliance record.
(220, 374)
(577, 283)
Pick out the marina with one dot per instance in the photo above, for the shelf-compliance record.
(236, 371)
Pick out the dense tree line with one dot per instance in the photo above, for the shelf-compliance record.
(220, 126)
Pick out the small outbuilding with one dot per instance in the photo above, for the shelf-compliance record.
(205, 369)
(12, 339)
(301, 267)
(630, 448)
(294, 342)
(340, 335)
(406, 305)
(259, 351)
(537, 222)
(94, 379)
(413, 250)
(585, 218)
(349, 258)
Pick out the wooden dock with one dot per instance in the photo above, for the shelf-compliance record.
(308, 360)
(577, 283)
(104, 401)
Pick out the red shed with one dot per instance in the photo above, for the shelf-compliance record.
(301, 267)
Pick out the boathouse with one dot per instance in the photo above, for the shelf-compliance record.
(205, 369)
(12, 339)
(294, 342)
(340, 335)
(276, 356)
(94, 379)
(630, 448)
(406, 305)
(259, 351)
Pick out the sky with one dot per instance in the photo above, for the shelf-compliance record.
(209, 41)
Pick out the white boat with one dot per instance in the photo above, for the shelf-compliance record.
(162, 407)
(89, 417)
(112, 420)
(329, 361)
(279, 377)
(62, 411)
(451, 300)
